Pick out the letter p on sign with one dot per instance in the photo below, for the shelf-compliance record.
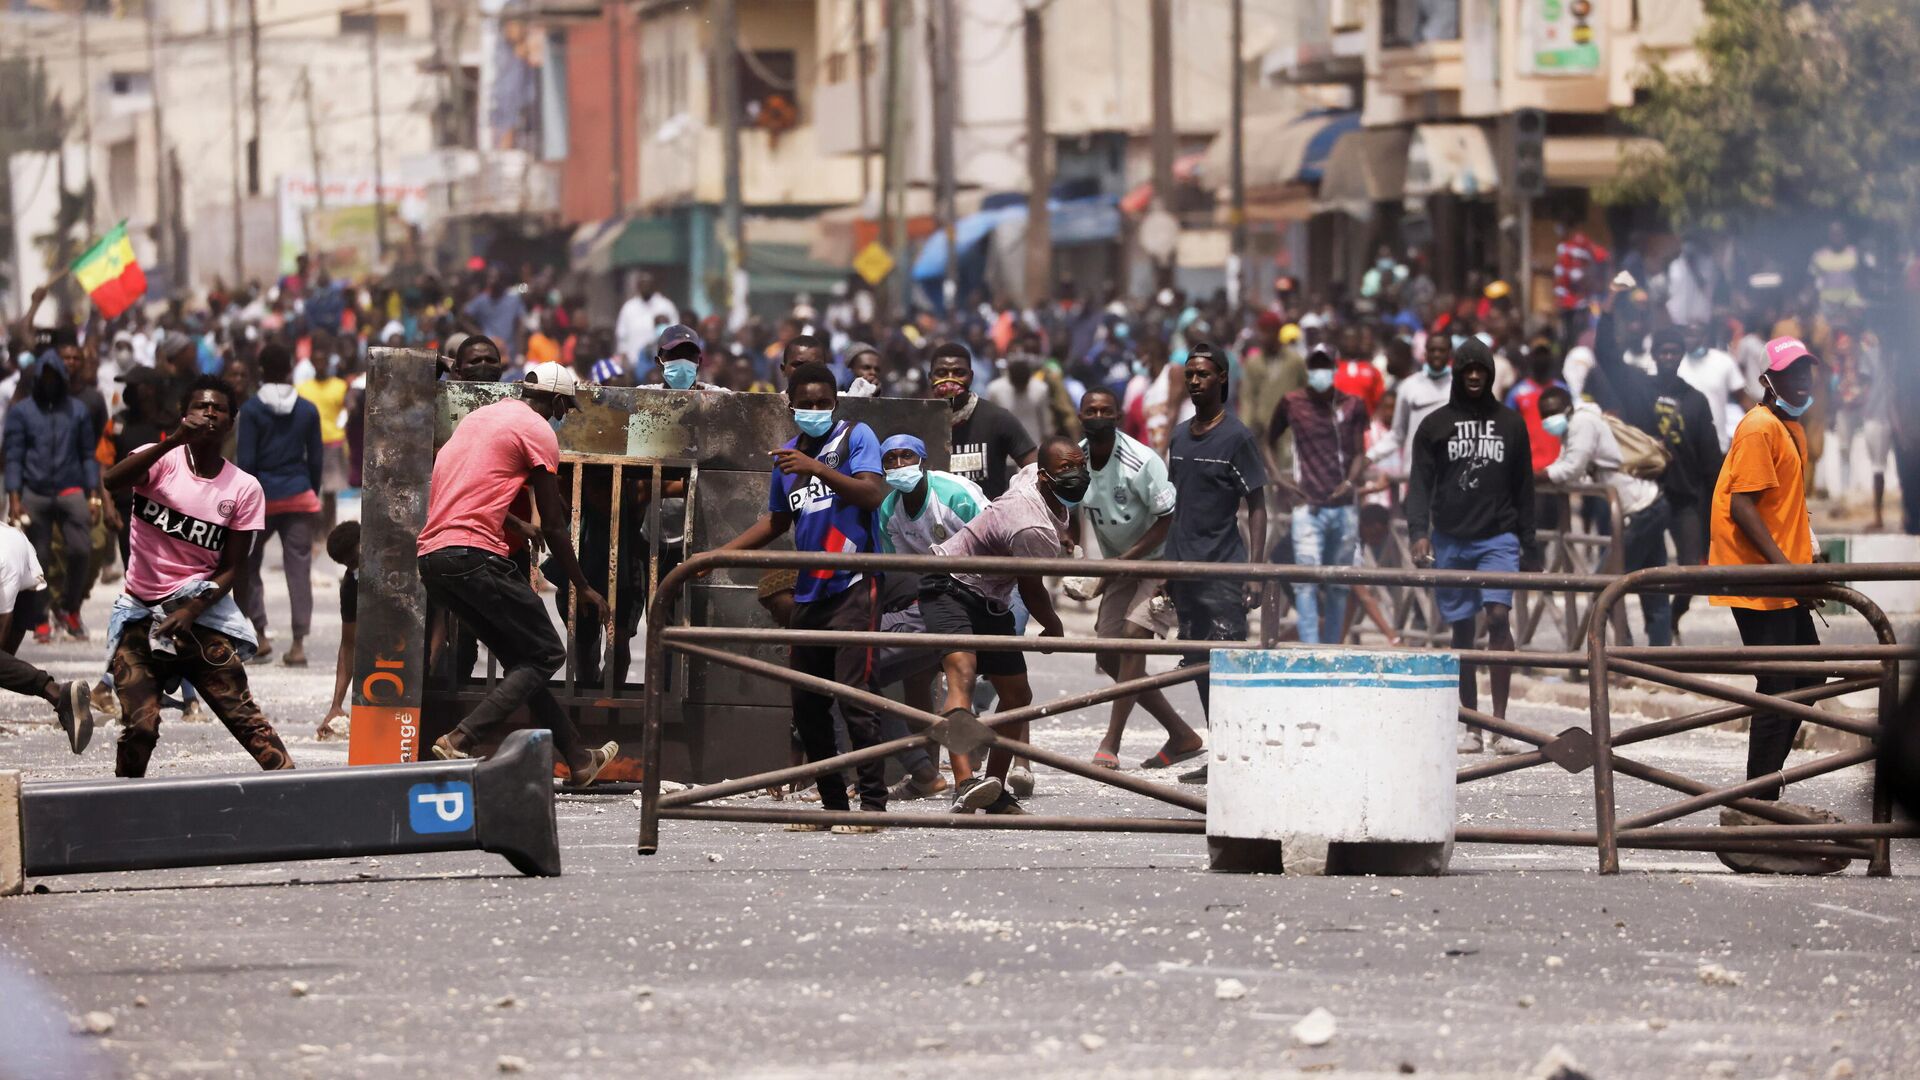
(444, 807)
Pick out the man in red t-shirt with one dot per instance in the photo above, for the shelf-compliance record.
(495, 451)
(1355, 375)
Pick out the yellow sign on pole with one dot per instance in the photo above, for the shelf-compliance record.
(873, 263)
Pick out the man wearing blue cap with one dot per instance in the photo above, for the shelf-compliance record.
(924, 508)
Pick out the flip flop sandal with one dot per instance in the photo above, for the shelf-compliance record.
(1164, 760)
(1106, 759)
(597, 761)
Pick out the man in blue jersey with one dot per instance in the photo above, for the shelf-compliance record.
(827, 484)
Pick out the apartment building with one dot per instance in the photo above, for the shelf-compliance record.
(1434, 81)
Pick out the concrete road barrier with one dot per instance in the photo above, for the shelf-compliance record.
(1332, 761)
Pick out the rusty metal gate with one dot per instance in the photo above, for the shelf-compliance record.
(1574, 749)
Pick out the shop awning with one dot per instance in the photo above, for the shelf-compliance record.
(969, 233)
(1092, 220)
(590, 249)
(650, 240)
(1451, 159)
(1590, 160)
(1366, 167)
(1279, 149)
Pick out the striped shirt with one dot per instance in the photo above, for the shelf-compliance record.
(952, 501)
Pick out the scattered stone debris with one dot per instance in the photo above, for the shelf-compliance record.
(298, 988)
(312, 1049)
(506, 1001)
(1558, 1064)
(1716, 975)
(97, 1022)
(1229, 990)
(1315, 1029)
(1841, 1070)
(1114, 970)
(1554, 962)
(1091, 1042)
(974, 978)
(510, 1063)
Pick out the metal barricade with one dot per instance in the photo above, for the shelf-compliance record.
(1574, 749)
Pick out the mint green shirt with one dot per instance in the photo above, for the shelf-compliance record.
(952, 501)
(1127, 496)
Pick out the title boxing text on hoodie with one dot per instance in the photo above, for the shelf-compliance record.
(1472, 470)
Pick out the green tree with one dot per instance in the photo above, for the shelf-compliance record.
(1799, 110)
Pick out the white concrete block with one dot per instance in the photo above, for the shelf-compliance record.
(1325, 752)
(13, 837)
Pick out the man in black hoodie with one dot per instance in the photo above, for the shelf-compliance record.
(1664, 406)
(53, 478)
(1470, 507)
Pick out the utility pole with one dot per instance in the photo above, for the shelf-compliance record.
(726, 63)
(894, 187)
(616, 115)
(1237, 169)
(86, 115)
(253, 64)
(379, 171)
(940, 50)
(313, 149)
(1039, 179)
(233, 147)
(162, 217)
(860, 69)
(1161, 19)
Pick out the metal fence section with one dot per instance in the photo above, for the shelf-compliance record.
(1853, 669)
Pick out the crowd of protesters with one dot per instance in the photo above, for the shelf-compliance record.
(1397, 424)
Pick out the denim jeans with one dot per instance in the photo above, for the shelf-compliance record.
(490, 596)
(1323, 536)
(1646, 542)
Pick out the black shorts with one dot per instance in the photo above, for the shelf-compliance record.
(949, 607)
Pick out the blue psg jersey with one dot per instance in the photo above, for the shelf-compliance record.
(822, 520)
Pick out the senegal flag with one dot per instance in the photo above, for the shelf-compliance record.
(110, 273)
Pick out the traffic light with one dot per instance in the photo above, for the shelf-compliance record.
(1529, 143)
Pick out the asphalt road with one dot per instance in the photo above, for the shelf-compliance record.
(750, 951)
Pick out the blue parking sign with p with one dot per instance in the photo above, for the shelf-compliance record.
(442, 807)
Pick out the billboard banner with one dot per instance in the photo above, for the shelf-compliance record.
(1560, 37)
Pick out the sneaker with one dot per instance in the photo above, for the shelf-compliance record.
(444, 749)
(1019, 783)
(42, 634)
(801, 826)
(1006, 804)
(75, 711)
(977, 793)
(597, 760)
(75, 629)
(1197, 776)
(911, 790)
(1506, 746)
(1470, 741)
(105, 701)
(296, 656)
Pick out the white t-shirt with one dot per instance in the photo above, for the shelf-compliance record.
(19, 568)
(1720, 380)
(1031, 404)
(1127, 496)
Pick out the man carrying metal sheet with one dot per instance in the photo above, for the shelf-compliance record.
(496, 450)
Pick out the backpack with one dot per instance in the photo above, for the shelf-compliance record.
(1641, 454)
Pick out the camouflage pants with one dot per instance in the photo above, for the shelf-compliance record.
(210, 664)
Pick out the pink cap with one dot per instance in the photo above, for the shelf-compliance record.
(1783, 351)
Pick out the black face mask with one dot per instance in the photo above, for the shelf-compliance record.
(1097, 427)
(1072, 487)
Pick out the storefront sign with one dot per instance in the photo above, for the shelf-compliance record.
(1560, 37)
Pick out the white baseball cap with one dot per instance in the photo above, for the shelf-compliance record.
(553, 378)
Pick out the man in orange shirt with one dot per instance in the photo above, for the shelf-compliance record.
(1760, 517)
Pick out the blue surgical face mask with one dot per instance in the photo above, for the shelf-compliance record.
(815, 422)
(1320, 380)
(1139, 367)
(1436, 374)
(680, 373)
(905, 478)
(1697, 352)
(1794, 411)
(1555, 425)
